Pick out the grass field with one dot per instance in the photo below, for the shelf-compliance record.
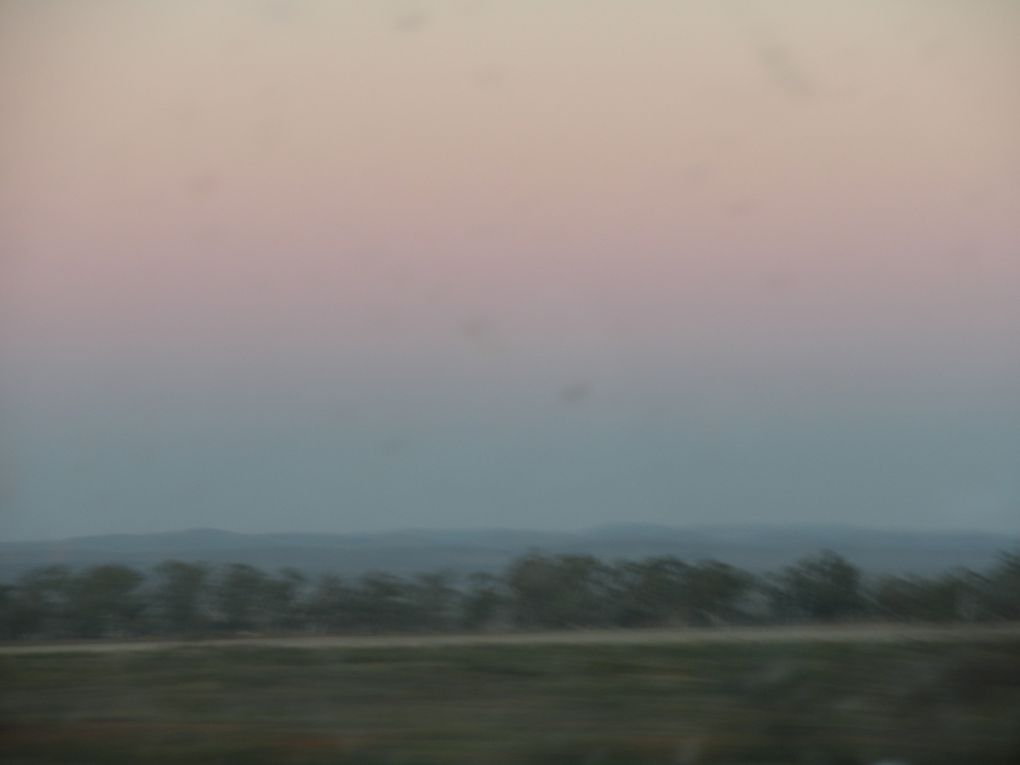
(556, 704)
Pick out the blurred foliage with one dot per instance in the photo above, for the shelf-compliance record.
(535, 592)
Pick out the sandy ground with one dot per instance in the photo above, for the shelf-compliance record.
(870, 633)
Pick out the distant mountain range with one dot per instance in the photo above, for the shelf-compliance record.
(413, 550)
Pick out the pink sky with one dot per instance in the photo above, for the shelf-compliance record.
(756, 204)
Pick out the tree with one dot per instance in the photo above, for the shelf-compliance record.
(485, 603)
(651, 592)
(332, 605)
(107, 602)
(42, 601)
(383, 603)
(435, 601)
(1003, 587)
(714, 591)
(913, 598)
(239, 598)
(825, 587)
(13, 623)
(181, 597)
(283, 599)
(560, 591)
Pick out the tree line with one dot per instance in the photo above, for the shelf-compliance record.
(536, 591)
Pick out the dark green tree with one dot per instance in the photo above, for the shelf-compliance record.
(239, 598)
(560, 591)
(485, 603)
(42, 603)
(15, 621)
(106, 601)
(824, 587)
(383, 603)
(332, 606)
(285, 600)
(915, 598)
(435, 600)
(1002, 591)
(180, 597)
(651, 592)
(714, 591)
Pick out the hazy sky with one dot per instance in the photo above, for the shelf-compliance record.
(347, 266)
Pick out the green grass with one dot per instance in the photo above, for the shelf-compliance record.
(584, 704)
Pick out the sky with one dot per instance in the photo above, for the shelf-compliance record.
(356, 266)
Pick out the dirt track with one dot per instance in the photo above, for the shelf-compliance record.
(871, 633)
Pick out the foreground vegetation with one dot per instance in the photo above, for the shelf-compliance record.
(534, 592)
(558, 705)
